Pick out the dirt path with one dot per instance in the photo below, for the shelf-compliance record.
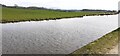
(114, 50)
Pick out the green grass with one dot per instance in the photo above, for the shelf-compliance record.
(15, 14)
(100, 46)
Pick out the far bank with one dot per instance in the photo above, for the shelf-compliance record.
(11, 15)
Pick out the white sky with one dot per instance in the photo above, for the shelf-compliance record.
(66, 4)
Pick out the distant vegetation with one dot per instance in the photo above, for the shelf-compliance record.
(33, 7)
(17, 13)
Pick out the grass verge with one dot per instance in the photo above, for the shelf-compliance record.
(100, 46)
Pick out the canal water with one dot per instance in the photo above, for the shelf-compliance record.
(55, 36)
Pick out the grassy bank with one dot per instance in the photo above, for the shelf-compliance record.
(100, 46)
(16, 15)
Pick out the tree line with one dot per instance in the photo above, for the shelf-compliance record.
(43, 8)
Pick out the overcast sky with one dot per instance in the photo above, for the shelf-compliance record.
(66, 4)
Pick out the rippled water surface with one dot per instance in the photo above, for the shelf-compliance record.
(55, 36)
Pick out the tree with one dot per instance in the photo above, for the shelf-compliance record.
(15, 5)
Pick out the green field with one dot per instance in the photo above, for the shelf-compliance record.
(102, 45)
(16, 15)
